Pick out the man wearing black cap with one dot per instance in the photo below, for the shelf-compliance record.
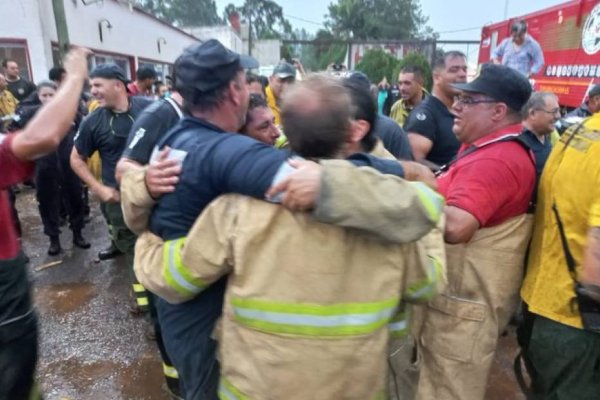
(211, 81)
(105, 130)
(488, 189)
(283, 75)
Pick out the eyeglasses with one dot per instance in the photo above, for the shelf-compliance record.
(554, 111)
(467, 101)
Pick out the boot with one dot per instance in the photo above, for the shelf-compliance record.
(79, 241)
(110, 252)
(54, 248)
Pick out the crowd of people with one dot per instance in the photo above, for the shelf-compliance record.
(288, 240)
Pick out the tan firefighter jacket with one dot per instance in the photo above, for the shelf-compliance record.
(307, 305)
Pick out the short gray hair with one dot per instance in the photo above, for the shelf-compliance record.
(537, 101)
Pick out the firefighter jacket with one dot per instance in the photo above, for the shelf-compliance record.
(307, 304)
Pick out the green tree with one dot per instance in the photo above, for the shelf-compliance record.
(183, 12)
(418, 60)
(265, 17)
(377, 64)
(377, 19)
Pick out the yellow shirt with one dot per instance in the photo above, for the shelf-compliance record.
(571, 180)
(400, 111)
(8, 103)
(272, 102)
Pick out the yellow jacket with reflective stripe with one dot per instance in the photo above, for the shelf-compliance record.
(307, 304)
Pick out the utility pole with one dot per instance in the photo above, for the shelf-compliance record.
(62, 31)
(250, 34)
(505, 9)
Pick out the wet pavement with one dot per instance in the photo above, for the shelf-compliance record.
(91, 347)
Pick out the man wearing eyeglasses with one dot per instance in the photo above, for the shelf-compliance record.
(539, 116)
(488, 189)
(105, 130)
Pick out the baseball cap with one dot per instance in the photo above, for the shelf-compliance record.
(109, 71)
(500, 83)
(594, 91)
(209, 65)
(284, 70)
(359, 78)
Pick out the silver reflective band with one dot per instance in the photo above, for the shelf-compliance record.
(181, 281)
(315, 320)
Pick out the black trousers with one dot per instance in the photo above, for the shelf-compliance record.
(18, 332)
(13, 209)
(58, 185)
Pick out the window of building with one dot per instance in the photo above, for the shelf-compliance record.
(162, 69)
(121, 61)
(17, 51)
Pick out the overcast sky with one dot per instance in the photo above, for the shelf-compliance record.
(444, 15)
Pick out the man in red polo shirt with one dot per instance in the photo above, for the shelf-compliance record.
(18, 323)
(488, 189)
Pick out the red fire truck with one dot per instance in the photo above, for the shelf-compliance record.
(569, 35)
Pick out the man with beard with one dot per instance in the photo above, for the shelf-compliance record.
(429, 125)
(106, 130)
(412, 93)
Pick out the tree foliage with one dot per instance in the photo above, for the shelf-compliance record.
(265, 17)
(377, 64)
(377, 19)
(183, 12)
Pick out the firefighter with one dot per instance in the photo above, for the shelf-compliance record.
(233, 163)
(341, 285)
(105, 130)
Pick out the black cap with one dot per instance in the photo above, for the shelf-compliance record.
(500, 83)
(360, 78)
(109, 71)
(284, 70)
(207, 66)
(594, 91)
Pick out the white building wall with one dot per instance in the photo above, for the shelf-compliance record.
(133, 33)
(267, 52)
(224, 34)
(21, 20)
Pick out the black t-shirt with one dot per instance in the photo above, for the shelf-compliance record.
(393, 137)
(106, 131)
(156, 120)
(20, 89)
(433, 120)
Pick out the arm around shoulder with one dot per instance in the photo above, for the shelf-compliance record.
(179, 270)
(136, 202)
(385, 205)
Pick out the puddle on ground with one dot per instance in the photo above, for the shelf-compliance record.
(63, 298)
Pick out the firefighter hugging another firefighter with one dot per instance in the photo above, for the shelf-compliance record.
(329, 269)
(306, 304)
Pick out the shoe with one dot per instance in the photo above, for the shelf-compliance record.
(109, 252)
(79, 241)
(54, 248)
(137, 311)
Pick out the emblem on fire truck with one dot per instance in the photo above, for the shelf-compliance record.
(590, 35)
